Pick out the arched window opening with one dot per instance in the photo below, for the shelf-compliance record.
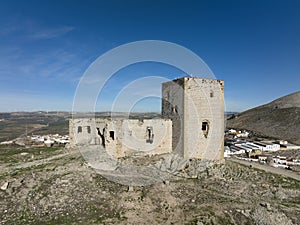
(175, 109)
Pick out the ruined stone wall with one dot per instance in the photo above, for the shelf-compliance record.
(121, 137)
(173, 108)
(150, 136)
(83, 131)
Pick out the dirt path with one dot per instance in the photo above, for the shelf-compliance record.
(268, 168)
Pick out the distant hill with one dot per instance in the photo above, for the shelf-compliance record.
(16, 124)
(279, 119)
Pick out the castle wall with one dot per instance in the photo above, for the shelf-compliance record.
(122, 137)
(83, 131)
(173, 108)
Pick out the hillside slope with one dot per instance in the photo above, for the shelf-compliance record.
(57, 187)
(279, 119)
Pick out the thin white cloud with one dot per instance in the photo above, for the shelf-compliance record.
(24, 29)
(48, 33)
(60, 64)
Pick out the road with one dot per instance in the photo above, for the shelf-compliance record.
(267, 168)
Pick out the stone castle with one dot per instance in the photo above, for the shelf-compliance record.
(192, 124)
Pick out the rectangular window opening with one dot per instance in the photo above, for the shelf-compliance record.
(204, 126)
(79, 129)
(150, 135)
(112, 134)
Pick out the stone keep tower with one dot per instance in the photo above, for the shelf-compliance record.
(196, 108)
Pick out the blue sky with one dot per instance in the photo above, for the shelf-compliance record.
(45, 47)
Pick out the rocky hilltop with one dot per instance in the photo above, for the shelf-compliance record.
(56, 186)
(279, 119)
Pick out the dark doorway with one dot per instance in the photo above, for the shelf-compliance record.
(112, 134)
(79, 129)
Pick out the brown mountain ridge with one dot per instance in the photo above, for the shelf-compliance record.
(278, 119)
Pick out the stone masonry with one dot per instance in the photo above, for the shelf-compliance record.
(192, 124)
(196, 108)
